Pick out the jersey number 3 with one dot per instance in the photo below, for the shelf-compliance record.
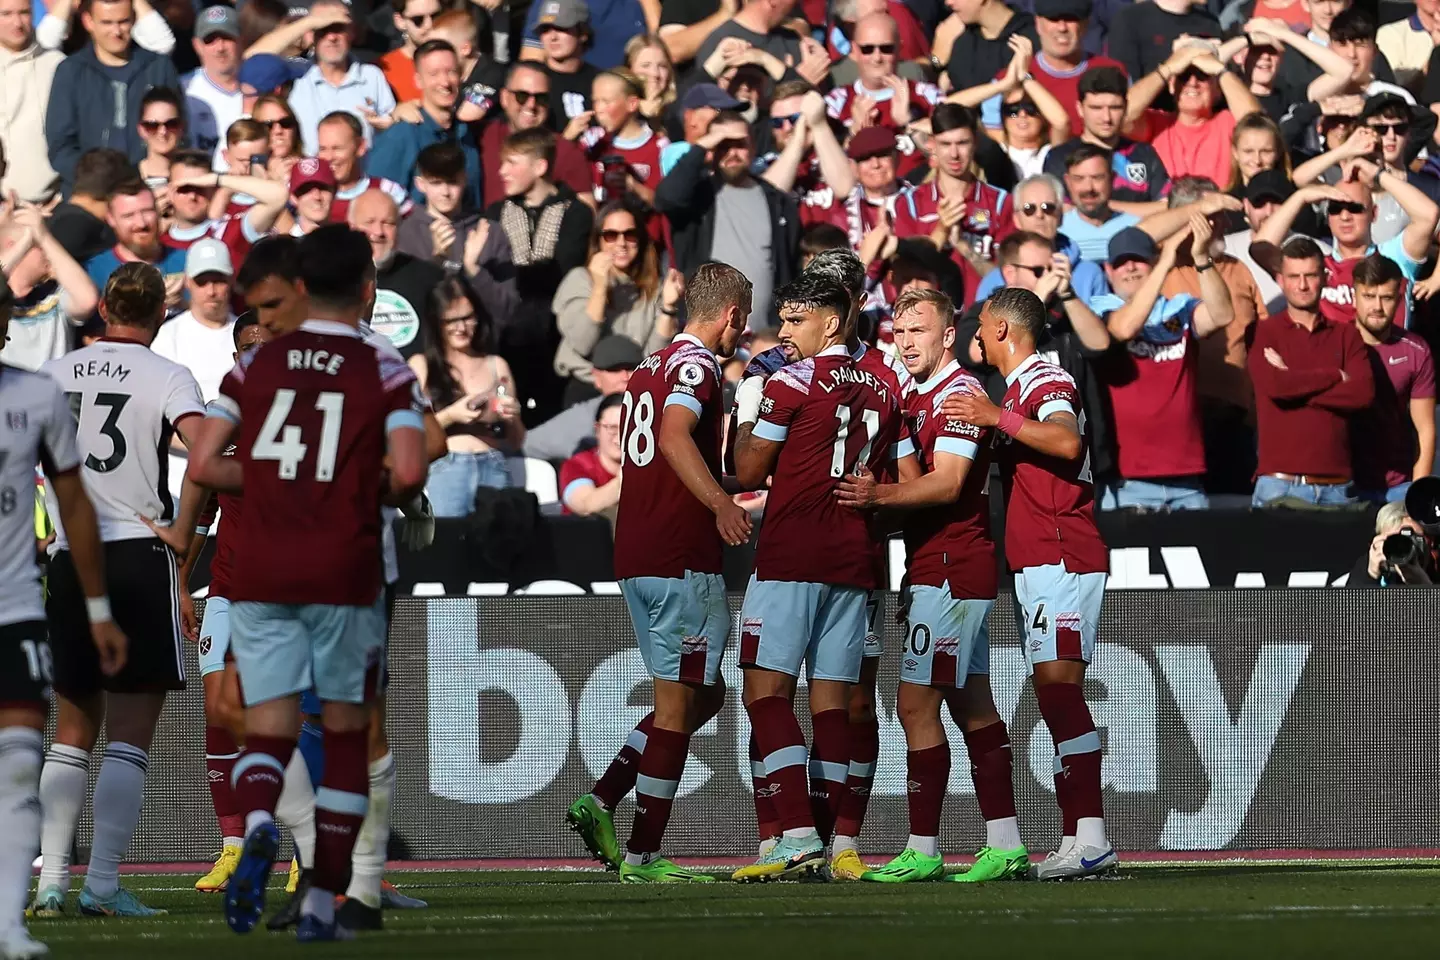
(281, 442)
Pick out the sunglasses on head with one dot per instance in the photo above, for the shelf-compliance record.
(1038, 272)
(1334, 207)
(1047, 208)
(1023, 108)
(155, 126)
(420, 19)
(789, 120)
(523, 98)
(1398, 128)
(613, 236)
(871, 48)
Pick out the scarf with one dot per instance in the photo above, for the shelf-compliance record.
(527, 248)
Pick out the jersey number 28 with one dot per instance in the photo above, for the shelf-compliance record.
(281, 442)
(637, 429)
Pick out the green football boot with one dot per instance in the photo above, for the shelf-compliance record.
(596, 827)
(991, 864)
(911, 866)
(660, 870)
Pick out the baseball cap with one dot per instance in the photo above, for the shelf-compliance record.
(208, 255)
(1132, 243)
(870, 142)
(221, 20)
(616, 353)
(1269, 185)
(266, 73)
(565, 14)
(710, 95)
(1063, 9)
(311, 171)
(1377, 104)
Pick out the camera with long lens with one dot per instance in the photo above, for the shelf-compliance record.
(1409, 555)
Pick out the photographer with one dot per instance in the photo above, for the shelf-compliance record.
(1399, 554)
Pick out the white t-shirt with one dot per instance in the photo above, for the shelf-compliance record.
(209, 112)
(1028, 163)
(127, 400)
(207, 352)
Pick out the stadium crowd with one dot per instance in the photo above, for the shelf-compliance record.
(1170, 176)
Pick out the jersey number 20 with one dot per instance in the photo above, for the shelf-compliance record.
(280, 441)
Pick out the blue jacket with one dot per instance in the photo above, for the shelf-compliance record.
(96, 106)
(396, 150)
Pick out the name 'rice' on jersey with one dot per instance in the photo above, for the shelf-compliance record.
(127, 400)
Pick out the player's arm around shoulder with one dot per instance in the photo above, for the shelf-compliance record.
(1055, 430)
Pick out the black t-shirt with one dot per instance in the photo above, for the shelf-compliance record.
(401, 291)
(975, 60)
(1142, 35)
(570, 94)
(687, 12)
(1140, 174)
(80, 232)
(482, 87)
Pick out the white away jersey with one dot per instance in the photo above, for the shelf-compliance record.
(127, 399)
(37, 428)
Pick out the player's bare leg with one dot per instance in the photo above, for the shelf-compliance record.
(224, 732)
(864, 749)
(768, 697)
(592, 815)
(1060, 692)
(991, 768)
(927, 765)
(22, 752)
(677, 715)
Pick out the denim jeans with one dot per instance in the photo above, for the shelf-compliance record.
(455, 477)
(1269, 488)
(1392, 495)
(1160, 493)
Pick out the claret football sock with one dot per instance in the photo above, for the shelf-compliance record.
(119, 795)
(661, 767)
(296, 808)
(221, 752)
(22, 752)
(260, 776)
(619, 778)
(1077, 744)
(927, 774)
(767, 821)
(829, 768)
(64, 781)
(777, 733)
(368, 861)
(864, 750)
(340, 807)
(991, 768)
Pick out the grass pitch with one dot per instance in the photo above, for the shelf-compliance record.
(1312, 910)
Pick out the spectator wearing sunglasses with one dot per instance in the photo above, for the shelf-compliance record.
(879, 96)
(26, 72)
(525, 105)
(1037, 209)
(274, 113)
(213, 99)
(1153, 385)
(811, 163)
(1139, 178)
(96, 93)
(413, 19)
(1032, 120)
(1349, 212)
(162, 127)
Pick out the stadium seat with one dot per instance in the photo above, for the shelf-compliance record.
(537, 476)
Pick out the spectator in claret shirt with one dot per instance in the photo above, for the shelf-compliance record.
(1089, 181)
(525, 104)
(590, 480)
(1062, 63)
(811, 163)
(1311, 378)
(1140, 178)
(1394, 438)
(1153, 390)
